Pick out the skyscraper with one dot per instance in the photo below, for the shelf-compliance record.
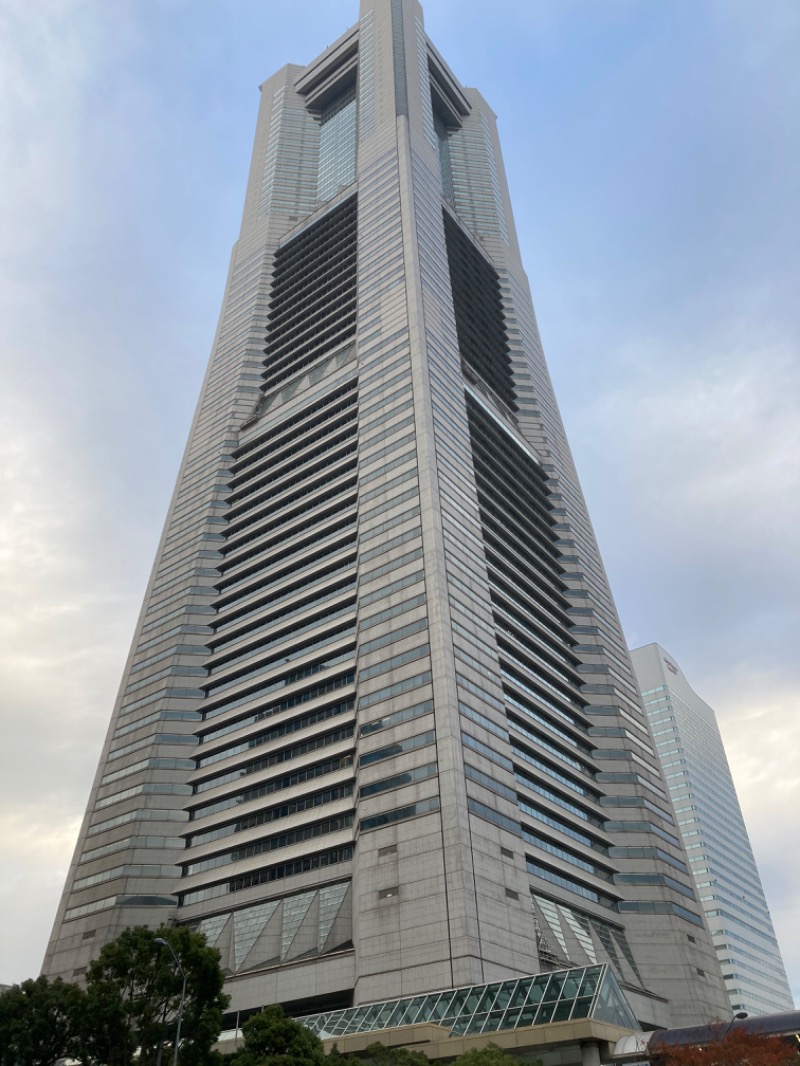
(378, 733)
(710, 821)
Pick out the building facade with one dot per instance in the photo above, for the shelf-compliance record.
(378, 733)
(709, 818)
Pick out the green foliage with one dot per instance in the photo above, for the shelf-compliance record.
(273, 1039)
(376, 1054)
(491, 1055)
(379, 1055)
(131, 1001)
(38, 1022)
(133, 995)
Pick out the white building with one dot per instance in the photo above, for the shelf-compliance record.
(696, 770)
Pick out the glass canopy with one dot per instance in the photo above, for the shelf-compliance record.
(564, 995)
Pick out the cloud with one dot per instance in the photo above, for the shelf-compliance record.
(62, 624)
(41, 842)
(697, 485)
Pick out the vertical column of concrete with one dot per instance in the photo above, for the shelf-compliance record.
(414, 131)
(401, 932)
(447, 910)
(402, 925)
(489, 887)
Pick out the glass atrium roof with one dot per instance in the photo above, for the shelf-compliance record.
(564, 995)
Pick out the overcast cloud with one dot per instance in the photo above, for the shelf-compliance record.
(653, 155)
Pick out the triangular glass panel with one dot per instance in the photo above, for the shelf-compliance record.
(330, 900)
(621, 939)
(212, 927)
(581, 931)
(610, 1004)
(247, 925)
(604, 936)
(550, 913)
(295, 908)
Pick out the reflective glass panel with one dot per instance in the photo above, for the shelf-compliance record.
(590, 981)
(488, 998)
(554, 987)
(441, 1006)
(372, 1015)
(429, 1005)
(458, 1002)
(571, 984)
(537, 990)
(385, 1014)
(563, 1010)
(504, 994)
(582, 1008)
(527, 1015)
(394, 1016)
(520, 995)
(545, 1013)
(472, 1000)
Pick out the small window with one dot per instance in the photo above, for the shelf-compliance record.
(391, 849)
(506, 853)
(389, 893)
(512, 894)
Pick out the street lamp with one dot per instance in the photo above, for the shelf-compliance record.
(740, 1017)
(165, 943)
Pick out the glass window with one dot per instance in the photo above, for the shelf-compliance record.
(337, 145)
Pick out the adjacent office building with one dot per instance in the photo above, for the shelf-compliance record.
(692, 755)
(379, 734)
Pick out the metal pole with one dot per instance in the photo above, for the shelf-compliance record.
(736, 1018)
(180, 1019)
(177, 961)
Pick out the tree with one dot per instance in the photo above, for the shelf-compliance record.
(271, 1038)
(379, 1055)
(38, 1022)
(491, 1055)
(133, 994)
(734, 1049)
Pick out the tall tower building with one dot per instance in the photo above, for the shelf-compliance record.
(710, 821)
(378, 733)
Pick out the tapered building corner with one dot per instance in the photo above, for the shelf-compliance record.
(379, 733)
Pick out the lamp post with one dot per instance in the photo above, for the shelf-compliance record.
(739, 1017)
(165, 943)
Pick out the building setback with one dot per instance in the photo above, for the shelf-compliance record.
(709, 817)
(378, 733)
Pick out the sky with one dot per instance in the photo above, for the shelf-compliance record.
(653, 155)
